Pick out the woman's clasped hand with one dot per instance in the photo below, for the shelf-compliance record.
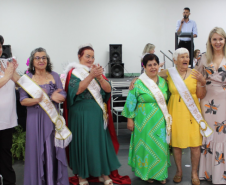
(57, 97)
(96, 71)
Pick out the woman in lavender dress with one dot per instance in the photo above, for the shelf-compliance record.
(44, 163)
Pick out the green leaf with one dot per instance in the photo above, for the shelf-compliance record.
(18, 146)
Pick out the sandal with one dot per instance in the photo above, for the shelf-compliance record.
(101, 179)
(84, 183)
(195, 181)
(150, 180)
(107, 182)
(163, 181)
(177, 178)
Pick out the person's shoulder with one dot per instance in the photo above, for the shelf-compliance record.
(203, 55)
(201, 62)
(192, 21)
(189, 70)
(163, 83)
(55, 74)
(203, 58)
(138, 81)
(162, 80)
(163, 73)
(29, 74)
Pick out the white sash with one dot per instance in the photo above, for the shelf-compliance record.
(63, 135)
(160, 99)
(205, 130)
(94, 89)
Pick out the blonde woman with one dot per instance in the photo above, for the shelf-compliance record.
(213, 66)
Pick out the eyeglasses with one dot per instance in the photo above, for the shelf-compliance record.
(39, 58)
(88, 56)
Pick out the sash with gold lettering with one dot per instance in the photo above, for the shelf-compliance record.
(160, 99)
(63, 135)
(185, 94)
(94, 88)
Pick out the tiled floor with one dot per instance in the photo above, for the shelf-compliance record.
(124, 138)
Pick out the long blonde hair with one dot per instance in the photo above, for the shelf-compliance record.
(148, 47)
(209, 48)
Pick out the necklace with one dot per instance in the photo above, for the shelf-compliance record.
(37, 81)
(183, 79)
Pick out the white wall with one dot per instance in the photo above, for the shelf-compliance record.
(60, 26)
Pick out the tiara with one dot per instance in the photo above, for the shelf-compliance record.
(85, 45)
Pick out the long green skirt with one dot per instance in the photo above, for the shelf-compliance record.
(91, 151)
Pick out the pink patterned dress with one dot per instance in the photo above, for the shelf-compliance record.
(212, 162)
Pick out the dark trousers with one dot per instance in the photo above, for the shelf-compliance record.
(187, 45)
(6, 170)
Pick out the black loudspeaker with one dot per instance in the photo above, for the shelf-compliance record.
(6, 51)
(115, 54)
(116, 70)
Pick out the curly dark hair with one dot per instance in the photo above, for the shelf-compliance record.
(1, 40)
(31, 68)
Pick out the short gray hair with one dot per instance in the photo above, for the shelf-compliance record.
(179, 51)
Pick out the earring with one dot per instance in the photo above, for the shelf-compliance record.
(33, 68)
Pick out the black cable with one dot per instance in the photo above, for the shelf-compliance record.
(132, 75)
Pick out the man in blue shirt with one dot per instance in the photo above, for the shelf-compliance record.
(186, 25)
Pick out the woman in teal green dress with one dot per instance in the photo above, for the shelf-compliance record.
(149, 152)
(91, 151)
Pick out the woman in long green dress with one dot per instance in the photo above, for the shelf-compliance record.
(91, 151)
(149, 152)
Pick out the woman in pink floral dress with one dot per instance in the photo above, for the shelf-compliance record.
(213, 66)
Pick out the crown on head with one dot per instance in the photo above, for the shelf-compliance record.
(85, 45)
